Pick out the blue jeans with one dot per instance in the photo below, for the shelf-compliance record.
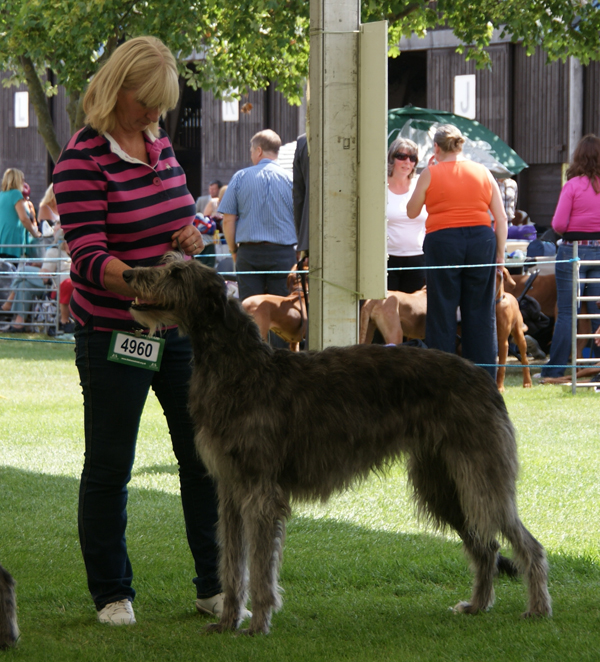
(26, 286)
(471, 289)
(113, 399)
(560, 348)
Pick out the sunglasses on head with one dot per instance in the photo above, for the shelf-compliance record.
(402, 157)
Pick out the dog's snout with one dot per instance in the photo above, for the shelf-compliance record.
(127, 275)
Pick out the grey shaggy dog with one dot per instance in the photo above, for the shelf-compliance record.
(274, 425)
(9, 630)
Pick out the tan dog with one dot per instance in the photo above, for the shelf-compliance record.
(509, 322)
(285, 316)
(400, 314)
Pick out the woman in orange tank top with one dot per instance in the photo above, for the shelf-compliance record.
(459, 196)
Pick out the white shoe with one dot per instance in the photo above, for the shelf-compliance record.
(117, 613)
(214, 606)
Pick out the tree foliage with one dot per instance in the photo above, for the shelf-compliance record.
(248, 43)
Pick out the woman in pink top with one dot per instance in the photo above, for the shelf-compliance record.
(123, 202)
(577, 218)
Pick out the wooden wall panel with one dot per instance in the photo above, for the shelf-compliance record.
(591, 105)
(226, 145)
(493, 89)
(541, 108)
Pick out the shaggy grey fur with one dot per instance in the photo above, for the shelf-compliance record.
(9, 630)
(274, 425)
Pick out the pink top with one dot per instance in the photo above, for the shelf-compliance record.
(113, 206)
(578, 208)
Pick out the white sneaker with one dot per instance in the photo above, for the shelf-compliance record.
(214, 606)
(117, 613)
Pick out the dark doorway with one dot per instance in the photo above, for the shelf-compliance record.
(407, 79)
(187, 137)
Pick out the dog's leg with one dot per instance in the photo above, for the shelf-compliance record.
(367, 325)
(502, 357)
(519, 337)
(9, 630)
(264, 518)
(484, 557)
(232, 561)
(436, 493)
(530, 557)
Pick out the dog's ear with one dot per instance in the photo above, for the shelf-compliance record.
(172, 256)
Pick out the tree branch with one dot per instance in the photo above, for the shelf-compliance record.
(40, 103)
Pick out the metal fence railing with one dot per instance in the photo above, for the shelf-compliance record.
(38, 292)
(578, 298)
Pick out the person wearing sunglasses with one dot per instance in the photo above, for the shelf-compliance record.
(404, 235)
(459, 194)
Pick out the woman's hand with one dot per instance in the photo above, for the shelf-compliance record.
(188, 240)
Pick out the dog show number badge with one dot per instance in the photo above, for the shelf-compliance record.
(140, 351)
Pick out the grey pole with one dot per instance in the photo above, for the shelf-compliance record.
(575, 293)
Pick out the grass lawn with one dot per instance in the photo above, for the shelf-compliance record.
(363, 580)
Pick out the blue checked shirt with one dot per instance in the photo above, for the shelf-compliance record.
(261, 197)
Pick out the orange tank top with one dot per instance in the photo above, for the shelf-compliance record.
(458, 195)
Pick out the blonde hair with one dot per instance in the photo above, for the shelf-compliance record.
(449, 138)
(407, 147)
(267, 140)
(222, 192)
(13, 179)
(143, 64)
(49, 197)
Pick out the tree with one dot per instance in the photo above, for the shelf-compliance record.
(249, 43)
(238, 47)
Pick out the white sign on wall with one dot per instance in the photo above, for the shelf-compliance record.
(231, 110)
(21, 109)
(465, 101)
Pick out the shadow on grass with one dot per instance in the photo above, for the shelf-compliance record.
(351, 593)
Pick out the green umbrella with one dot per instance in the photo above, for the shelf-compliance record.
(482, 145)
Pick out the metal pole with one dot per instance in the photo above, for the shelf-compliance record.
(574, 306)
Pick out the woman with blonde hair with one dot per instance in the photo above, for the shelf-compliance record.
(15, 222)
(123, 202)
(404, 235)
(459, 196)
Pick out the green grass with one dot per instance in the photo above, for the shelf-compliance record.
(363, 580)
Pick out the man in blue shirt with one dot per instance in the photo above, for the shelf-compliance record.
(258, 220)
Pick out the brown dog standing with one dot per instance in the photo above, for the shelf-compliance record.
(399, 314)
(509, 321)
(285, 316)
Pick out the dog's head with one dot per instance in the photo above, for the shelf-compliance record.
(173, 292)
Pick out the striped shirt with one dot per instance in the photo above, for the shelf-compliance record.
(113, 206)
(261, 197)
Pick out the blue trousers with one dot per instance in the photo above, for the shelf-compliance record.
(113, 400)
(467, 288)
(264, 258)
(560, 348)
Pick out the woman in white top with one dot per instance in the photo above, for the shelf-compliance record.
(404, 235)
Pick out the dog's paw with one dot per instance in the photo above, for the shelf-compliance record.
(465, 608)
(250, 632)
(537, 614)
(217, 628)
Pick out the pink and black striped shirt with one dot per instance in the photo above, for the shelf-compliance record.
(112, 206)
